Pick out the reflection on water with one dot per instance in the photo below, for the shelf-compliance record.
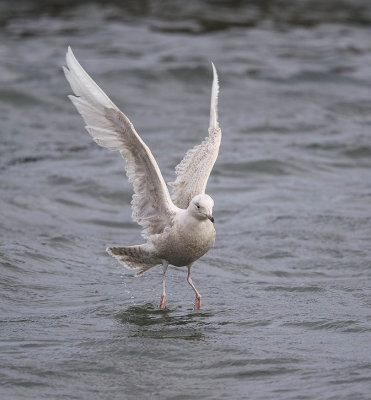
(164, 324)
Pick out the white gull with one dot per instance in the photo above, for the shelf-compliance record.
(178, 230)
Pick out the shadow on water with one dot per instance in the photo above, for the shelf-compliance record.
(148, 321)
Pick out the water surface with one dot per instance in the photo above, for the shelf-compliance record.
(286, 290)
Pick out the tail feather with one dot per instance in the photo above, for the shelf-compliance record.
(134, 257)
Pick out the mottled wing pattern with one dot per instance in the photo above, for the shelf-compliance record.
(110, 128)
(194, 170)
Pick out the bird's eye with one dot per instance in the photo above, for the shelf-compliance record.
(197, 206)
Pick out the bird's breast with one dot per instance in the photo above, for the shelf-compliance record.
(188, 240)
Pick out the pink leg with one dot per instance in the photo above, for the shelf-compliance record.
(198, 296)
(163, 296)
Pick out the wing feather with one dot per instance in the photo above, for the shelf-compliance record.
(194, 170)
(110, 128)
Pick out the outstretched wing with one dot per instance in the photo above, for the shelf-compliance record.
(195, 168)
(110, 128)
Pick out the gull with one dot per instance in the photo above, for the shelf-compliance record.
(178, 229)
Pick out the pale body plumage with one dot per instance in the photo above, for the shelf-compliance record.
(178, 230)
(186, 241)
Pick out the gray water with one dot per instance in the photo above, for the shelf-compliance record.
(286, 290)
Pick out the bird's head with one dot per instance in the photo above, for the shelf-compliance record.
(201, 207)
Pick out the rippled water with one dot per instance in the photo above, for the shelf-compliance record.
(286, 290)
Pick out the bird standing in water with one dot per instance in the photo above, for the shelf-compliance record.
(178, 229)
